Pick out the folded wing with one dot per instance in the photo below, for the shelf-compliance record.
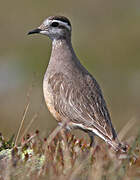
(82, 103)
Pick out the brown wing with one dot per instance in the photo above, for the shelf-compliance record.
(81, 101)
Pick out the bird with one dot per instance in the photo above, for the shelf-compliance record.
(71, 93)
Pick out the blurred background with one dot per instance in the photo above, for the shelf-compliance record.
(106, 38)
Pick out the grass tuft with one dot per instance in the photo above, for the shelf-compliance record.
(64, 157)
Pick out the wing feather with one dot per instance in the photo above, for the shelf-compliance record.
(81, 102)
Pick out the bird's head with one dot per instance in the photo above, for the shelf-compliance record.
(55, 27)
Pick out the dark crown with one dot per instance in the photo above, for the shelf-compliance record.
(61, 18)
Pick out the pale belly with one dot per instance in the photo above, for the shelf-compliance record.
(49, 100)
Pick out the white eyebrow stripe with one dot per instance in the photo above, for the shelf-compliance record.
(63, 23)
(47, 22)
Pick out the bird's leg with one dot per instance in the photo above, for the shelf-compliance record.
(92, 142)
(66, 128)
(93, 147)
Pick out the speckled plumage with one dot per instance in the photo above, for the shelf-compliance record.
(71, 93)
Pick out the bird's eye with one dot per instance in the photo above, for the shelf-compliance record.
(54, 24)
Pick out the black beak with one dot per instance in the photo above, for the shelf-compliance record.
(35, 31)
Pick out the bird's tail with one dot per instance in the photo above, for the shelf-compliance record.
(117, 146)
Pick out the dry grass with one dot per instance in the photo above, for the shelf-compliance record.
(63, 157)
